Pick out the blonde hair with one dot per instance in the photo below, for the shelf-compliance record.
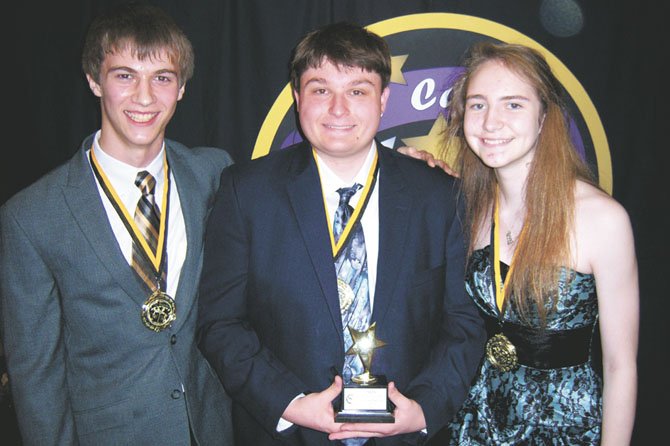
(550, 186)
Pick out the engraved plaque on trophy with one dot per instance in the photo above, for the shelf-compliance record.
(365, 399)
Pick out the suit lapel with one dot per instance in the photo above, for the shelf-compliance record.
(193, 206)
(85, 204)
(394, 216)
(306, 200)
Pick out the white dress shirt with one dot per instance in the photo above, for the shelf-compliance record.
(122, 178)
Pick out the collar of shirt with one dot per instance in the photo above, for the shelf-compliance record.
(122, 175)
(330, 182)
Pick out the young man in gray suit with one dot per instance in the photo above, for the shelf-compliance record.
(100, 260)
(289, 284)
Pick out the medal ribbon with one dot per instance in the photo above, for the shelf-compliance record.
(358, 211)
(500, 286)
(155, 259)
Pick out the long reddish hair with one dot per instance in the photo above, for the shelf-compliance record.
(550, 187)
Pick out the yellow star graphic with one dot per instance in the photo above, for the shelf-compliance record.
(396, 69)
(433, 142)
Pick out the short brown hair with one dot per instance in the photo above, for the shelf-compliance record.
(144, 29)
(343, 44)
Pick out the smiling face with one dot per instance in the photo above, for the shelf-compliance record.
(503, 117)
(339, 110)
(138, 99)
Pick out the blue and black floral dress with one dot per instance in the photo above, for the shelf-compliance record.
(553, 397)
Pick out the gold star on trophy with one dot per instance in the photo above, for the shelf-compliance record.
(365, 399)
(365, 343)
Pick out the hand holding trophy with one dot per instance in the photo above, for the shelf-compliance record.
(365, 399)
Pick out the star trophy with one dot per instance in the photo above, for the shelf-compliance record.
(365, 399)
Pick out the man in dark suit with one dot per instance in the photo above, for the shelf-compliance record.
(100, 260)
(282, 295)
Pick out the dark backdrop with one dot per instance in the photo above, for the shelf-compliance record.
(242, 48)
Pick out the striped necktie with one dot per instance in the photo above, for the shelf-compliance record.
(147, 218)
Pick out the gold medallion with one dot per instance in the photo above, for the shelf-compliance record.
(159, 311)
(501, 353)
(346, 294)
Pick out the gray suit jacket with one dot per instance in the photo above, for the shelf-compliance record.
(83, 368)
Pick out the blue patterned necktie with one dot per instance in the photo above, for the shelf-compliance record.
(352, 273)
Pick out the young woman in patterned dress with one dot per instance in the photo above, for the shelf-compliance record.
(551, 261)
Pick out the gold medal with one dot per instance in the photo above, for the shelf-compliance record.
(346, 294)
(159, 311)
(501, 353)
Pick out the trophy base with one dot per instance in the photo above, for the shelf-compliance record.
(365, 403)
(364, 416)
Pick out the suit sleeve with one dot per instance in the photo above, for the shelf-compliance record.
(444, 382)
(251, 374)
(32, 332)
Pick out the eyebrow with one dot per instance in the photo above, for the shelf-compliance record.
(516, 97)
(314, 80)
(354, 83)
(132, 70)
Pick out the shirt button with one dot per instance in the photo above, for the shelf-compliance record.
(176, 394)
(173, 339)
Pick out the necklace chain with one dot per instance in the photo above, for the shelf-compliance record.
(511, 239)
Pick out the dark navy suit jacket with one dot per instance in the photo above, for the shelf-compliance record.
(269, 316)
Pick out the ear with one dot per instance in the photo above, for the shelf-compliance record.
(539, 130)
(296, 98)
(94, 86)
(181, 92)
(384, 98)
